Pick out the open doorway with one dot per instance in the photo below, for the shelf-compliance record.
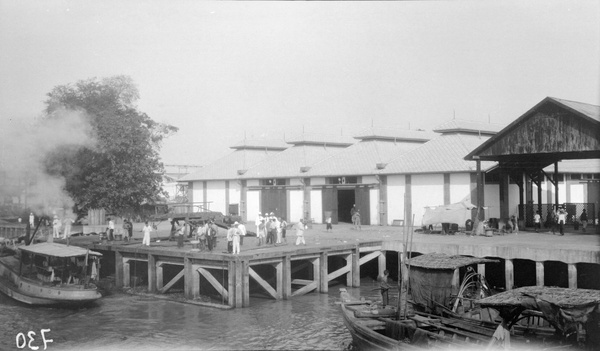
(346, 199)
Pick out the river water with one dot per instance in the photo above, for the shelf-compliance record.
(127, 322)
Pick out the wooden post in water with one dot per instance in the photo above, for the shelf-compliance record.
(151, 273)
(539, 274)
(572, 268)
(324, 273)
(231, 283)
(287, 277)
(509, 274)
(119, 269)
(239, 283)
(245, 273)
(356, 267)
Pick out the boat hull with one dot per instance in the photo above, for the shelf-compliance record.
(34, 292)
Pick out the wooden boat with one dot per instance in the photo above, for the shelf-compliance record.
(376, 328)
(573, 314)
(49, 274)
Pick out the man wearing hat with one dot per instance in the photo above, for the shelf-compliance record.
(236, 238)
(56, 227)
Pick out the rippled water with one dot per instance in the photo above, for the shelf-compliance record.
(126, 322)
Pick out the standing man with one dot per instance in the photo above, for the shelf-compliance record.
(562, 218)
(356, 220)
(111, 229)
(537, 221)
(236, 238)
(584, 220)
(230, 233)
(243, 232)
(300, 228)
(68, 222)
(31, 220)
(56, 227)
(147, 229)
(384, 286)
(328, 221)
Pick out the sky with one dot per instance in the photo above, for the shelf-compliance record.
(225, 71)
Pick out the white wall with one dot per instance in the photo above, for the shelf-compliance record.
(316, 205)
(252, 204)
(427, 190)
(460, 187)
(215, 194)
(562, 193)
(577, 193)
(395, 197)
(295, 210)
(198, 191)
(374, 206)
(491, 194)
(513, 199)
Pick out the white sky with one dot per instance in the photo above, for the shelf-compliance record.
(223, 70)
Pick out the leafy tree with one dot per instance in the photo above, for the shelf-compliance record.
(123, 169)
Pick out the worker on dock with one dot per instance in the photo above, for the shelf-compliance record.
(146, 230)
(300, 228)
(235, 234)
(56, 227)
(242, 229)
(283, 224)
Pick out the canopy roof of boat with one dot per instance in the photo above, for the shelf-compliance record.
(561, 297)
(444, 261)
(58, 250)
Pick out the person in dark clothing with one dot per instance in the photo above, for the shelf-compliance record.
(584, 220)
(384, 286)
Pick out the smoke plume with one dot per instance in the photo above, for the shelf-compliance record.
(24, 148)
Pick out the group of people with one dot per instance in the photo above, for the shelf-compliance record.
(558, 218)
(57, 225)
(270, 229)
(127, 229)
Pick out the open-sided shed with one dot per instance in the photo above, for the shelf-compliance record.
(551, 131)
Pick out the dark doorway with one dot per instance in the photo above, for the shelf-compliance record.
(330, 204)
(274, 200)
(346, 199)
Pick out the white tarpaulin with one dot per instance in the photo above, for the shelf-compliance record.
(453, 213)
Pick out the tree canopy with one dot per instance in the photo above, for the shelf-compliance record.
(123, 169)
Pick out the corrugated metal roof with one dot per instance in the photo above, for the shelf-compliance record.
(286, 164)
(228, 166)
(269, 144)
(458, 125)
(592, 111)
(361, 158)
(441, 155)
(58, 250)
(397, 134)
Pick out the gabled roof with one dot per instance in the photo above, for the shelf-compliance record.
(463, 126)
(227, 167)
(319, 139)
(395, 134)
(440, 155)
(261, 144)
(553, 143)
(361, 158)
(287, 164)
(585, 110)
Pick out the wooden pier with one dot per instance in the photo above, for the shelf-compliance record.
(281, 272)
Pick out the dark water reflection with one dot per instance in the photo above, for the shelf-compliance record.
(125, 322)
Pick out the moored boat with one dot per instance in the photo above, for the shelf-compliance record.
(50, 274)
